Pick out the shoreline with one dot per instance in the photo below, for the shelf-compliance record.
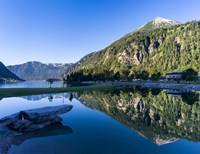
(14, 92)
(184, 87)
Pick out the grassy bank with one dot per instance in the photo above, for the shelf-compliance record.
(12, 92)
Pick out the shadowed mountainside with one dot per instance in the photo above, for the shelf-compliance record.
(7, 75)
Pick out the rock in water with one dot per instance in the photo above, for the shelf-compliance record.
(34, 119)
(41, 115)
(15, 138)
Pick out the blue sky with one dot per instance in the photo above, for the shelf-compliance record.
(63, 31)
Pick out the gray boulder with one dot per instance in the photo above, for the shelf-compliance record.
(34, 119)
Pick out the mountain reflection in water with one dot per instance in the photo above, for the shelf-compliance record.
(49, 96)
(157, 116)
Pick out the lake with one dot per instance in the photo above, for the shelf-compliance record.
(32, 84)
(121, 121)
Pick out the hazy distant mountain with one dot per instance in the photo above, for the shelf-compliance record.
(7, 75)
(158, 22)
(39, 71)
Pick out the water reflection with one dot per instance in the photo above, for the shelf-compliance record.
(154, 114)
(174, 92)
(31, 84)
(12, 105)
(49, 96)
(52, 130)
(71, 97)
(188, 97)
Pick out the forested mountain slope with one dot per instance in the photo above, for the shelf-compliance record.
(149, 51)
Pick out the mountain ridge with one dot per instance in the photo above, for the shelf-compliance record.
(34, 70)
(7, 75)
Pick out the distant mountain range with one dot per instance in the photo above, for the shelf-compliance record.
(7, 75)
(159, 46)
(39, 71)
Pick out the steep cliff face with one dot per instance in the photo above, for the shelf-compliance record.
(6, 75)
(174, 48)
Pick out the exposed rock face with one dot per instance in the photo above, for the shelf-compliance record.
(139, 57)
(34, 119)
(157, 23)
(160, 141)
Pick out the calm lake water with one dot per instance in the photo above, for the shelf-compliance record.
(32, 84)
(122, 121)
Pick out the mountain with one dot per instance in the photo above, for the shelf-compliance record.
(39, 71)
(158, 22)
(146, 52)
(160, 46)
(7, 75)
(72, 68)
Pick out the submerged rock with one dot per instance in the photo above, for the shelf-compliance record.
(16, 128)
(19, 138)
(34, 119)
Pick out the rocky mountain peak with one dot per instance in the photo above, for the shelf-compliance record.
(160, 20)
(157, 23)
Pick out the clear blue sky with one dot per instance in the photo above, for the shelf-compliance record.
(66, 30)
